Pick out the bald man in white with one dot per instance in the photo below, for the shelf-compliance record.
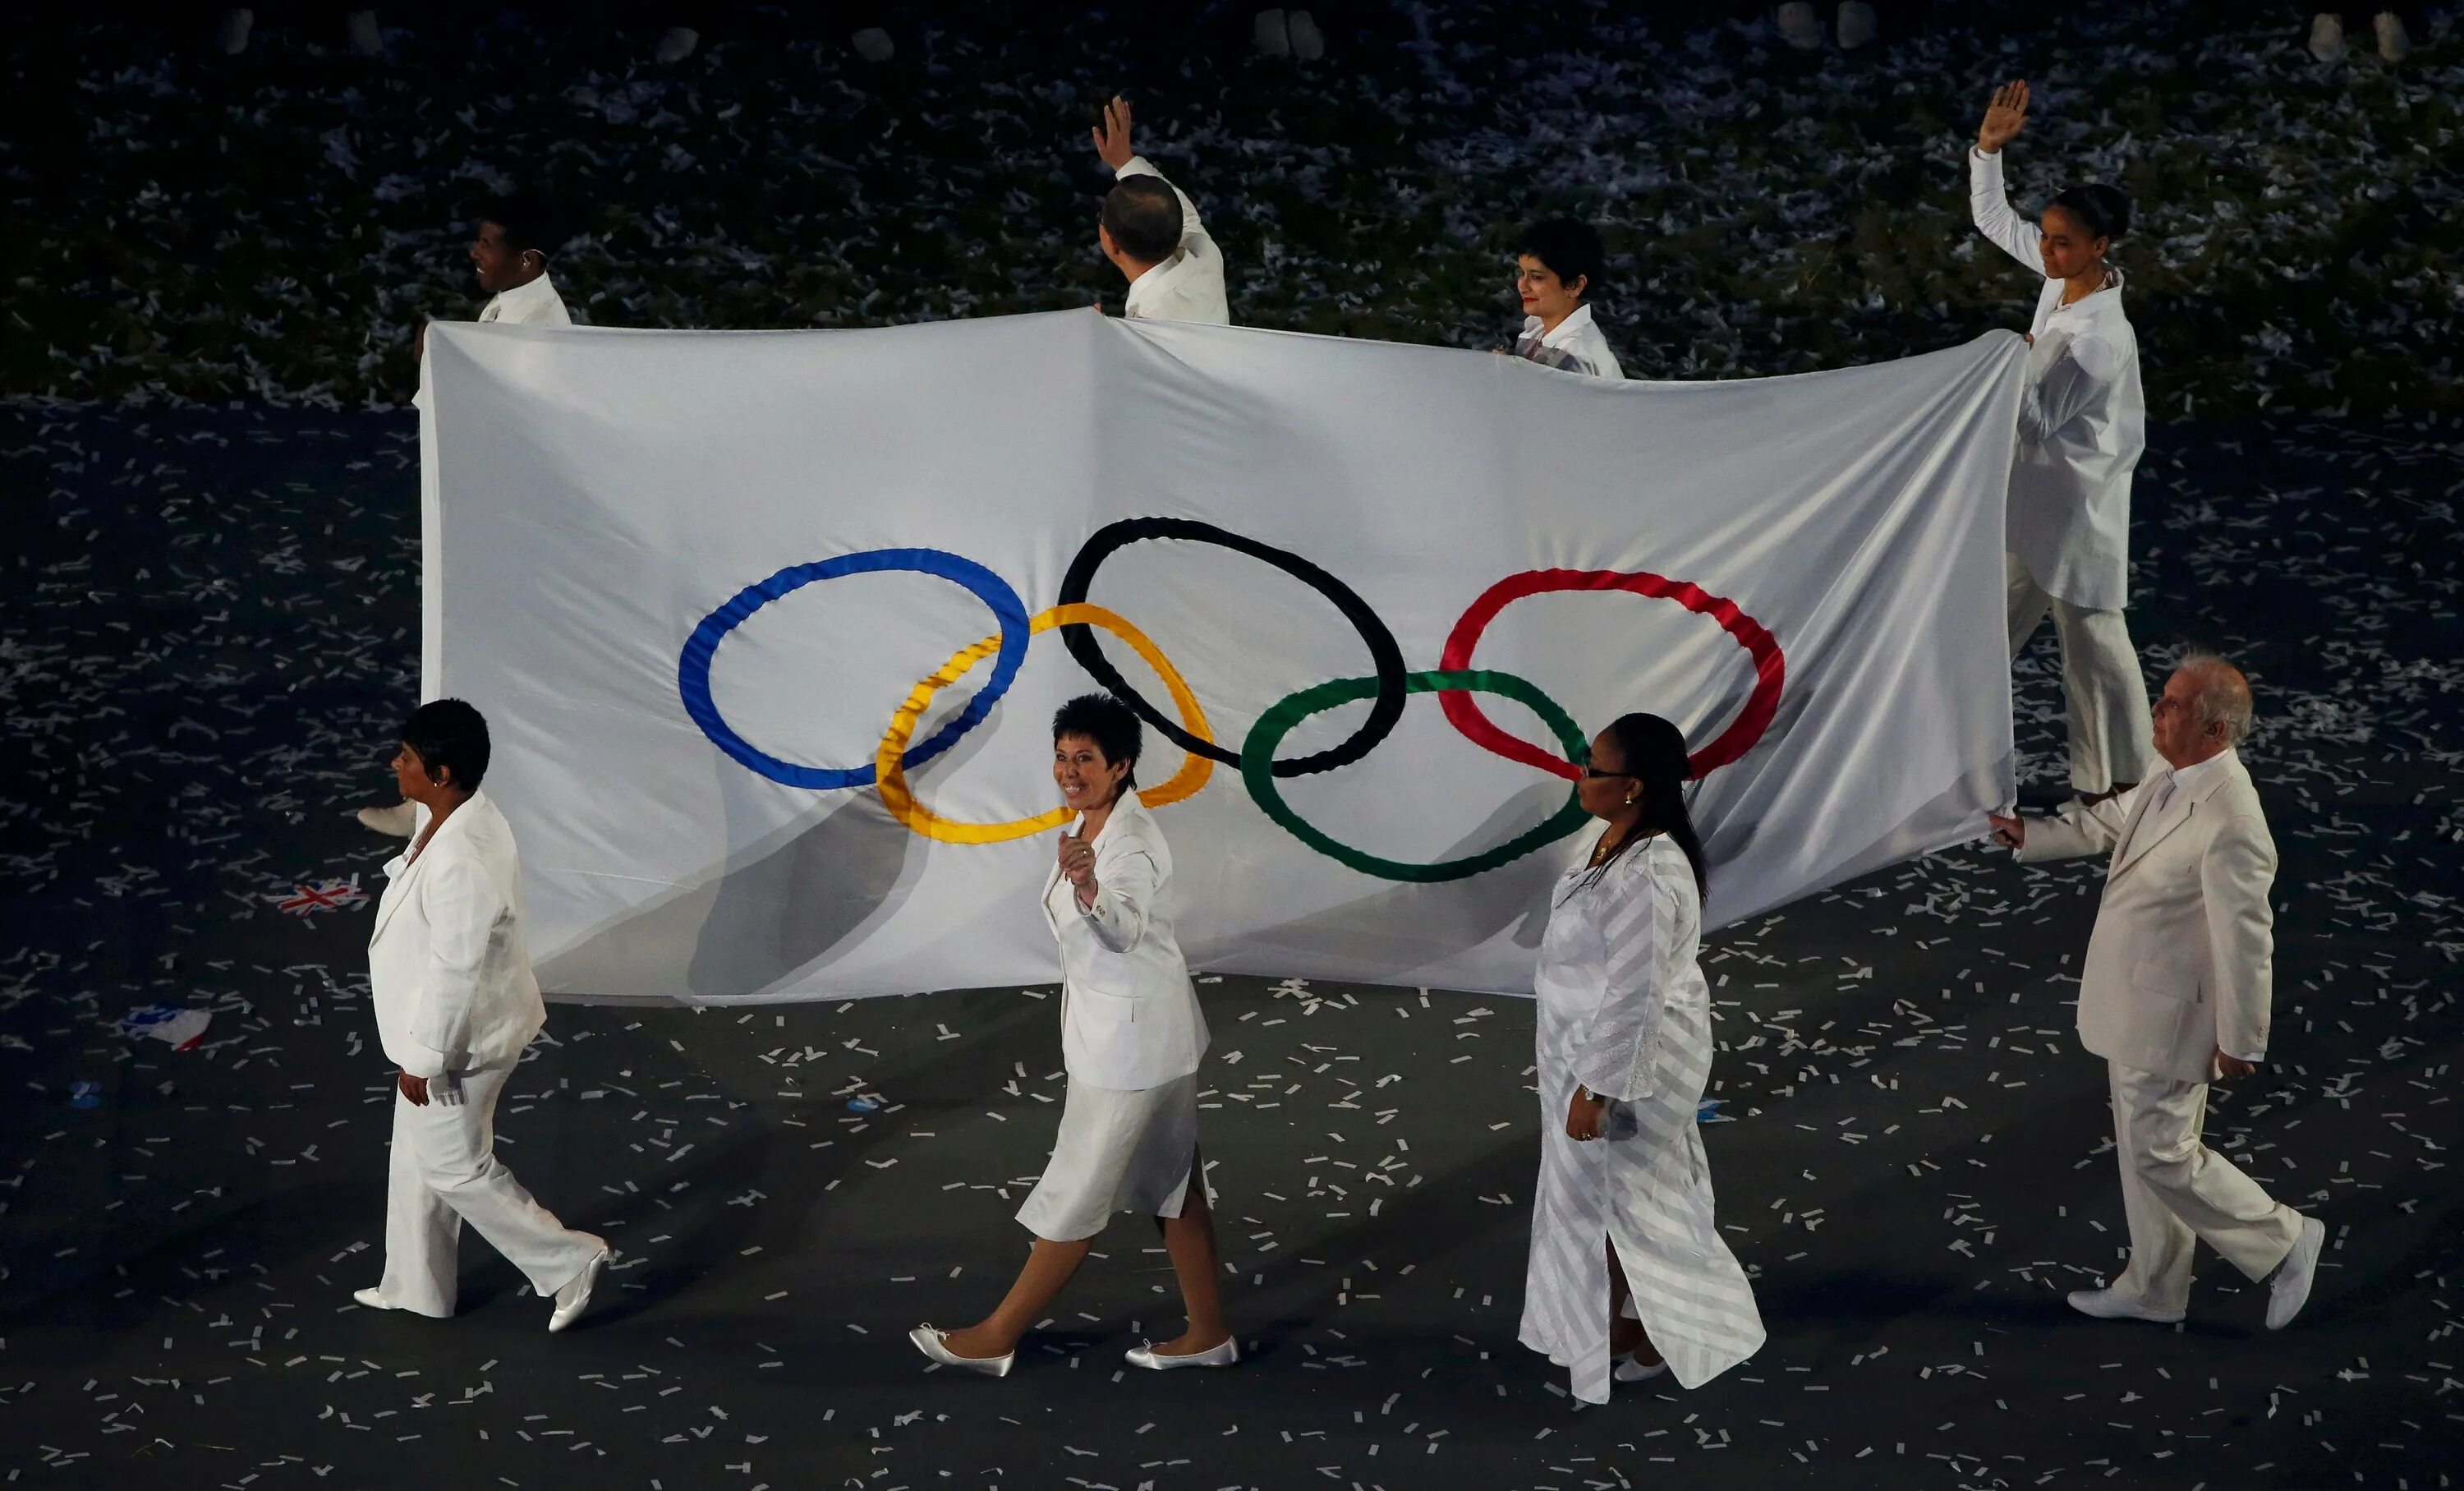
(2175, 994)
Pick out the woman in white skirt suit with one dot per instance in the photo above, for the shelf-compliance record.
(1130, 1037)
(2082, 428)
(1625, 1259)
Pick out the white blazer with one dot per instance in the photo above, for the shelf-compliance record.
(1189, 286)
(2082, 421)
(2181, 963)
(451, 977)
(1129, 1013)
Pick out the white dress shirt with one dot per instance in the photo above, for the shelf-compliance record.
(1575, 345)
(1189, 286)
(2083, 420)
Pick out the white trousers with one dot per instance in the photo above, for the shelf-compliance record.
(2175, 1191)
(445, 1171)
(2103, 694)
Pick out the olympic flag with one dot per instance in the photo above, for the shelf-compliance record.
(770, 628)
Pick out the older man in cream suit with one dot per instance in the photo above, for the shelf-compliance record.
(2175, 992)
(455, 1006)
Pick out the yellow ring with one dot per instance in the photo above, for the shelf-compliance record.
(891, 777)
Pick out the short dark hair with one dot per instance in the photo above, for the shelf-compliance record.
(449, 736)
(2103, 211)
(528, 224)
(1569, 249)
(1143, 215)
(1112, 725)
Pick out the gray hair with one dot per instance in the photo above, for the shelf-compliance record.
(2224, 694)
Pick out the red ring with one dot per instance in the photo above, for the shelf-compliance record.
(1771, 666)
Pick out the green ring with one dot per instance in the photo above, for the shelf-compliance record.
(1258, 758)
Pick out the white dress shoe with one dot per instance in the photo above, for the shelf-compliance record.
(231, 36)
(1798, 26)
(2107, 1304)
(1223, 1355)
(929, 1341)
(2395, 43)
(1857, 24)
(2326, 37)
(675, 45)
(1628, 1369)
(1269, 34)
(873, 45)
(2290, 1289)
(397, 822)
(575, 1296)
(1309, 43)
(372, 1300)
(360, 30)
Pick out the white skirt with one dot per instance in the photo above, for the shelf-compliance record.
(1117, 1151)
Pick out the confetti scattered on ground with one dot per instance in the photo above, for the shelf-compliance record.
(211, 632)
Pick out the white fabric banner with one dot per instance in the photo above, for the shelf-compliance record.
(692, 577)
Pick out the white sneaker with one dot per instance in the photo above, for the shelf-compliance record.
(373, 1299)
(2290, 1289)
(1797, 26)
(231, 36)
(2395, 44)
(1223, 1355)
(929, 1341)
(360, 29)
(1857, 24)
(575, 1296)
(2109, 1304)
(1309, 43)
(873, 45)
(397, 821)
(2326, 37)
(1273, 36)
(676, 46)
(1629, 1369)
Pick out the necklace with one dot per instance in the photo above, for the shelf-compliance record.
(1603, 849)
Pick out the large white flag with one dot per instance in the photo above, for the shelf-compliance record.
(770, 628)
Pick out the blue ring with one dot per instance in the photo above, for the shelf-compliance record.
(693, 669)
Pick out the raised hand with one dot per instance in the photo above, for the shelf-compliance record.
(2005, 117)
(1077, 862)
(1112, 135)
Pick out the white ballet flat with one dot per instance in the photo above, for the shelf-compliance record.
(929, 1341)
(1223, 1355)
(1628, 1369)
(575, 1296)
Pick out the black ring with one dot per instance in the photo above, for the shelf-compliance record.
(1383, 651)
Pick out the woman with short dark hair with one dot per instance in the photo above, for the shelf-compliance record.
(2082, 428)
(455, 1006)
(1131, 1036)
(1557, 268)
(1629, 1276)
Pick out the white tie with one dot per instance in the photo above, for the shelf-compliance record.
(2163, 796)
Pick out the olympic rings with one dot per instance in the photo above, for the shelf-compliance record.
(1771, 666)
(1276, 722)
(1383, 652)
(1193, 775)
(693, 669)
(1454, 681)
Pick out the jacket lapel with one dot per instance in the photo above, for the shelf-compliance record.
(1052, 877)
(399, 890)
(2145, 835)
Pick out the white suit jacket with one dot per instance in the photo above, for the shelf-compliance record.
(2181, 963)
(2082, 421)
(534, 304)
(1129, 1013)
(1189, 286)
(452, 978)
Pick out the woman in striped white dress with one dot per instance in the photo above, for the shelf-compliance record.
(1627, 1265)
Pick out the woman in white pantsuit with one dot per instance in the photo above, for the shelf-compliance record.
(455, 1006)
(1130, 1037)
(2082, 428)
(1626, 1261)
